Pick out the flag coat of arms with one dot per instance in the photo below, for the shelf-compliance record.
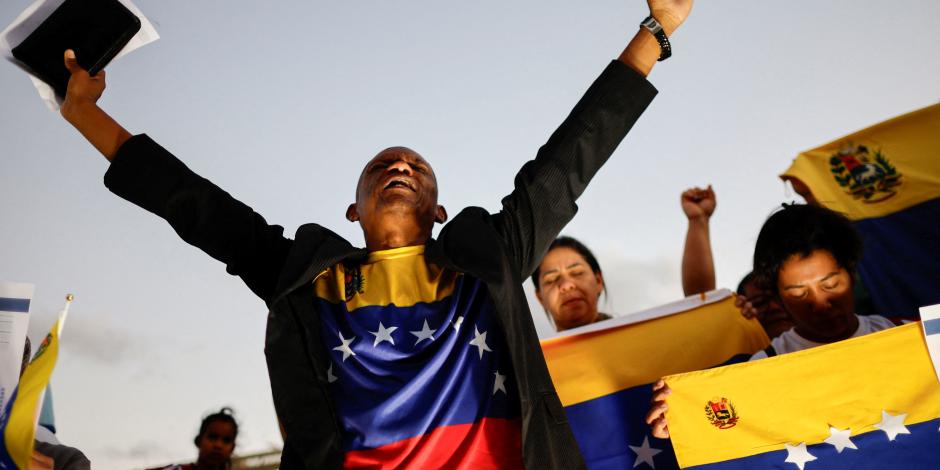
(886, 178)
(604, 372)
(867, 402)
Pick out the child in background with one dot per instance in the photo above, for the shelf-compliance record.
(215, 441)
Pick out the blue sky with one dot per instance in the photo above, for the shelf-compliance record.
(281, 103)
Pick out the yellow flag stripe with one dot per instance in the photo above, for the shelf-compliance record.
(796, 397)
(592, 365)
(397, 277)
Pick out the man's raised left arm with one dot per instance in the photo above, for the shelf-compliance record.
(546, 188)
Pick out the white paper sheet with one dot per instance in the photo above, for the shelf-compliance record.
(14, 320)
(35, 14)
(930, 325)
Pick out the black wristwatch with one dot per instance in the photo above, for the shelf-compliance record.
(656, 29)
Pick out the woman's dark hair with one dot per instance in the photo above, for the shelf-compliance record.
(568, 242)
(225, 415)
(800, 229)
(747, 279)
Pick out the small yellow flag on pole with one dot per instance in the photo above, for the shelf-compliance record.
(19, 418)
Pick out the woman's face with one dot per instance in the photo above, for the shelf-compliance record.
(817, 293)
(217, 443)
(569, 288)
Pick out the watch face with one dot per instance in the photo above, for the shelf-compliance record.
(651, 24)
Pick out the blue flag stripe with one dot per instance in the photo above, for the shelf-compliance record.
(607, 427)
(899, 265)
(932, 327)
(14, 305)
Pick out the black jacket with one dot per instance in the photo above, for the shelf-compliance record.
(500, 249)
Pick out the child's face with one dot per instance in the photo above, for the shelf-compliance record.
(217, 443)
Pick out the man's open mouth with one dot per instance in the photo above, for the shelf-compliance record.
(399, 183)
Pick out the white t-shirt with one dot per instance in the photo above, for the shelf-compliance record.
(791, 341)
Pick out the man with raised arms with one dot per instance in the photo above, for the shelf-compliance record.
(411, 352)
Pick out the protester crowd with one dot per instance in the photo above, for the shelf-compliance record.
(339, 401)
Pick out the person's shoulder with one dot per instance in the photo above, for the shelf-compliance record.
(470, 223)
(873, 323)
(177, 466)
(471, 213)
(791, 341)
(66, 456)
(788, 341)
(762, 354)
(313, 235)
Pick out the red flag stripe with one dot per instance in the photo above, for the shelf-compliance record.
(491, 443)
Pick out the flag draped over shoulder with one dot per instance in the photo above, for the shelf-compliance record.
(603, 372)
(18, 421)
(886, 178)
(867, 402)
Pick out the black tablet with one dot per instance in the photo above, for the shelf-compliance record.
(95, 29)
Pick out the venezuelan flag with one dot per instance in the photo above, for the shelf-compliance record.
(886, 178)
(419, 370)
(867, 402)
(603, 372)
(18, 421)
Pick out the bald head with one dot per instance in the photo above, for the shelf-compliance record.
(393, 153)
(396, 200)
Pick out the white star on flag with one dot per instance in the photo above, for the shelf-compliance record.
(384, 334)
(892, 425)
(344, 348)
(426, 333)
(480, 341)
(644, 453)
(840, 439)
(798, 455)
(500, 383)
(457, 323)
(330, 378)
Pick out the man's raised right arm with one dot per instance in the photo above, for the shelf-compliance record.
(201, 213)
(81, 110)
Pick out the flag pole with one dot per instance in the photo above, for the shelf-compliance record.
(65, 312)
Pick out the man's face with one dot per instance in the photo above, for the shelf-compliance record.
(397, 186)
(817, 293)
(569, 288)
(770, 314)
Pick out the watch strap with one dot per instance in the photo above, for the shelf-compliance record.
(656, 29)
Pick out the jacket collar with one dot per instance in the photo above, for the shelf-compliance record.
(315, 248)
